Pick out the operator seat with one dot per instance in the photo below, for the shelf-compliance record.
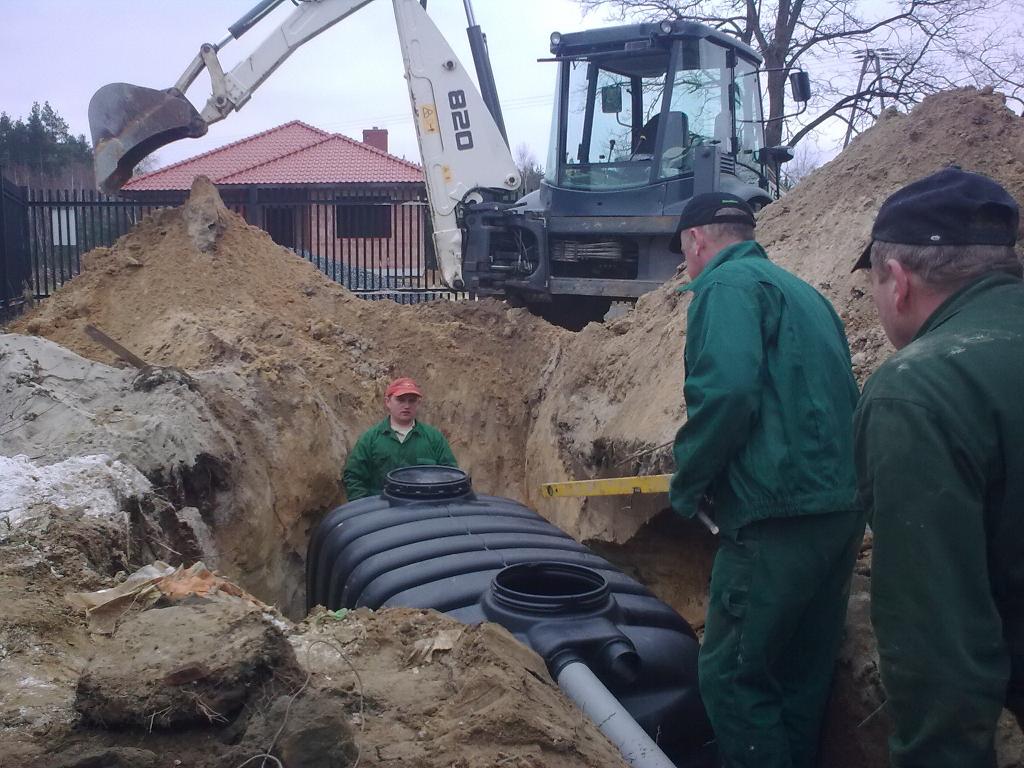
(677, 134)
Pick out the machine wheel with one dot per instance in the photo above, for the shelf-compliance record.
(572, 312)
(758, 203)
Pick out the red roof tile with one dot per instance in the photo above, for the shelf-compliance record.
(293, 153)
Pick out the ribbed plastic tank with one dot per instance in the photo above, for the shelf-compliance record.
(429, 541)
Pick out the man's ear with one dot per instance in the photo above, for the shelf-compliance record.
(902, 285)
(700, 241)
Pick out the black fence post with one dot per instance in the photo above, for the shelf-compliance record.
(252, 208)
(5, 287)
(15, 265)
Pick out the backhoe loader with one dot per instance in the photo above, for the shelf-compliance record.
(645, 116)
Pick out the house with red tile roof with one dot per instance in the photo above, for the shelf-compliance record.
(349, 206)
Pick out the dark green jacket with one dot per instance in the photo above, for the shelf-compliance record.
(940, 465)
(378, 451)
(769, 396)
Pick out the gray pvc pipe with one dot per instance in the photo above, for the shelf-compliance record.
(597, 702)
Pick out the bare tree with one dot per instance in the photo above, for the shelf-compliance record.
(148, 164)
(806, 160)
(921, 47)
(529, 168)
(992, 62)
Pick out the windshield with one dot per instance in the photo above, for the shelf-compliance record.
(748, 120)
(611, 120)
(618, 132)
(700, 102)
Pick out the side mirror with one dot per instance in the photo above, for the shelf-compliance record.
(800, 84)
(776, 155)
(611, 99)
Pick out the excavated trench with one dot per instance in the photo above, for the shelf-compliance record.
(288, 369)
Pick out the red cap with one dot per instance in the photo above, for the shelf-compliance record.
(403, 386)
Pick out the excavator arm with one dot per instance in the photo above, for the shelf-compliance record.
(461, 144)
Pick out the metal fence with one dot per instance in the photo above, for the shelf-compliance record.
(62, 225)
(376, 241)
(15, 265)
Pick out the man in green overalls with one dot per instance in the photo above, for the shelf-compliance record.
(397, 441)
(940, 466)
(767, 451)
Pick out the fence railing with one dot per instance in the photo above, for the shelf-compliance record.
(375, 241)
(63, 225)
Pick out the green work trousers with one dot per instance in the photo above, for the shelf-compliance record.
(779, 589)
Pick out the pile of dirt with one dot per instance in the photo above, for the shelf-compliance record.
(480, 699)
(210, 683)
(144, 450)
(287, 370)
(820, 228)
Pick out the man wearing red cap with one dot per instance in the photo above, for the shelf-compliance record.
(397, 441)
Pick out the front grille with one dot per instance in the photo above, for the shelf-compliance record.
(578, 250)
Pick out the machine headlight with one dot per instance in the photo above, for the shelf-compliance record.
(667, 27)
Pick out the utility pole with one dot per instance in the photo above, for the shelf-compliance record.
(870, 59)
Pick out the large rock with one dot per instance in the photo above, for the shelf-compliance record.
(205, 214)
(184, 664)
(56, 405)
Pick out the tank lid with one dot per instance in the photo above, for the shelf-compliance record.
(429, 483)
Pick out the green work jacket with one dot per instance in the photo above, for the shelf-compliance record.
(378, 451)
(769, 396)
(940, 465)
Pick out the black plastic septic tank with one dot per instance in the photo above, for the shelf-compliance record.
(429, 541)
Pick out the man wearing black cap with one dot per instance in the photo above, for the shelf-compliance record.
(769, 440)
(940, 467)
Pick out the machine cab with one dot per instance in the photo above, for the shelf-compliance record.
(636, 104)
(646, 116)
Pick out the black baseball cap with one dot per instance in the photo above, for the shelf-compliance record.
(951, 207)
(711, 208)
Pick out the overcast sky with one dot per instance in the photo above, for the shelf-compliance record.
(349, 78)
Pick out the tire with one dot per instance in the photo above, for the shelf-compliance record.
(572, 312)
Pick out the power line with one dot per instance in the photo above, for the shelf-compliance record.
(511, 105)
(869, 58)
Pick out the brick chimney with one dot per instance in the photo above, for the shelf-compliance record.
(376, 137)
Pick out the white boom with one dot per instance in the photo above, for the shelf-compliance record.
(460, 143)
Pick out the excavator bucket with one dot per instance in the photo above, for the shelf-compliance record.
(129, 122)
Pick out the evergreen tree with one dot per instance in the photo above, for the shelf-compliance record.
(40, 150)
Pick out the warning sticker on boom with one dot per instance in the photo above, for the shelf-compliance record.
(428, 119)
